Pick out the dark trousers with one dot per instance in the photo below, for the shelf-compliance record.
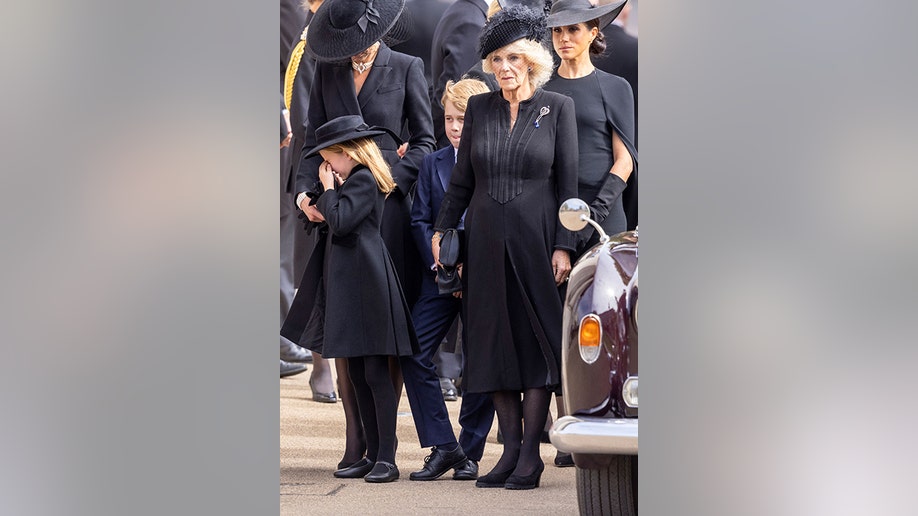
(432, 316)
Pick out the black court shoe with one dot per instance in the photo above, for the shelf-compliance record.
(382, 472)
(357, 470)
(530, 481)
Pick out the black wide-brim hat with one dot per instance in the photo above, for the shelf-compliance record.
(344, 129)
(511, 24)
(341, 29)
(572, 12)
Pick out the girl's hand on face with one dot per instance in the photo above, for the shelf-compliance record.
(327, 175)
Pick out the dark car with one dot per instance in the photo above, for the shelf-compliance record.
(599, 354)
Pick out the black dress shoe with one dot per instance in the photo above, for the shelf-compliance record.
(564, 460)
(322, 397)
(382, 472)
(439, 462)
(467, 472)
(290, 352)
(357, 470)
(448, 389)
(494, 479)
(530, 481)
(288, 369)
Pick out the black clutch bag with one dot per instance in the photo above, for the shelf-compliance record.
(448, 280)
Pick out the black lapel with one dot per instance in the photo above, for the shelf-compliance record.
(377, 77)
(343, 82)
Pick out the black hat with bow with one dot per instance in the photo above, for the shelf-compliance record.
(341, 29)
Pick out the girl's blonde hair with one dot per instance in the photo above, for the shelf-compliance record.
(493, 7)
(538, 56)
(459, 92)
(367, 153)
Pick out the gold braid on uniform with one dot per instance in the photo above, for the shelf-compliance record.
(295, 55)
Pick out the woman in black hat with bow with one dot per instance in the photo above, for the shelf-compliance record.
(517, 161)
(358, 74)
(359, 311)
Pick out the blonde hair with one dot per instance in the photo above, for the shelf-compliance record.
(459, 92)
(493, 8)
(538, 57)
(367, 153)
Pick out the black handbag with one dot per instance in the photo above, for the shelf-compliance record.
(448, 280)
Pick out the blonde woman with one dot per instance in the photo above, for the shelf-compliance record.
(359, 310)
(517, 162)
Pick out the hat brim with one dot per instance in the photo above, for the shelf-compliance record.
(325, 42)
(605, 14)
(372, 132)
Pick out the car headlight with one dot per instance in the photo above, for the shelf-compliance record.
(630, 391)
(590, 338)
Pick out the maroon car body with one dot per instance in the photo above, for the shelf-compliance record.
(600, 382)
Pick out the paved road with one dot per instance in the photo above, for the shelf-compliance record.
(312, 442)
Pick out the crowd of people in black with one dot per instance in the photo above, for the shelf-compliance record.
(423, 164)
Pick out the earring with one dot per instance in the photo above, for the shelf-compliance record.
(530, 68)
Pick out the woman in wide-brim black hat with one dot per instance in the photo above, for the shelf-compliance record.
(605, 120)
(358, 74)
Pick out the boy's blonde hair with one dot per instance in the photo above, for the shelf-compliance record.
(367, 153)
(459, 92)
(538, 56)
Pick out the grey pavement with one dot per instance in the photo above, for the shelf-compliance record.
(312, 443)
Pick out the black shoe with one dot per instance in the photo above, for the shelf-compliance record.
(322, 397)
(439, 462)
(344, 464)
(382, 472)
(494, 479)
(467, 472)
(530, 481)
(564, 460)
(448, 388)
(290, 352)
(288, 369)
(357, 470)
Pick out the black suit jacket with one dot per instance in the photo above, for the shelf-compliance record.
(292, 20)
(453, 52)
(424, 15)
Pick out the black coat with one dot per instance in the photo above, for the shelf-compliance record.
(394, 96)
(424, 16)
(621, 58)
(358, 308)
(453, 52)
(513, 186)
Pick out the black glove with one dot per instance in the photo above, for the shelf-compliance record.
(611, 190)
(317, 190)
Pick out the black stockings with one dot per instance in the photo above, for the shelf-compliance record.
(378, 404)
(521, 444)
(355, 444)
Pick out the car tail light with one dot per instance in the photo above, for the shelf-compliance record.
(590, 338)
(630, 391)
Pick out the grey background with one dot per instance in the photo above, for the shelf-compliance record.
(138, 197)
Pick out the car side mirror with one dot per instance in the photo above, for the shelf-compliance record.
(574, 215)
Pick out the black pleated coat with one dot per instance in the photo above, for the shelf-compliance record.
(513, 183)
(357, 308)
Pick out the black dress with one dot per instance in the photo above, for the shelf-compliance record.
(359, 308)
(604, 104)
(512, 183)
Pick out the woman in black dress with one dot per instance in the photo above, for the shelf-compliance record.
(360, 310)
(604, 107)
(516, 163)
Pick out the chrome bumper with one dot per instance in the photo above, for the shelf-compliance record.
(581, 434)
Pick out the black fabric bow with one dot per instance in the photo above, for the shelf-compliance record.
(370, 16)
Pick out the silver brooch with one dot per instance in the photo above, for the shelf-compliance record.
(542, 112)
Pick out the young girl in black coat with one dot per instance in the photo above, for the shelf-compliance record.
(360, 311)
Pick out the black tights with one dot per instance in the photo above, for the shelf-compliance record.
(378, 404)
(521, 444)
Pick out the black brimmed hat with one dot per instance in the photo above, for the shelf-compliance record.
(572, 12)
(511, 24)
(346, 128)
(343, 28)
